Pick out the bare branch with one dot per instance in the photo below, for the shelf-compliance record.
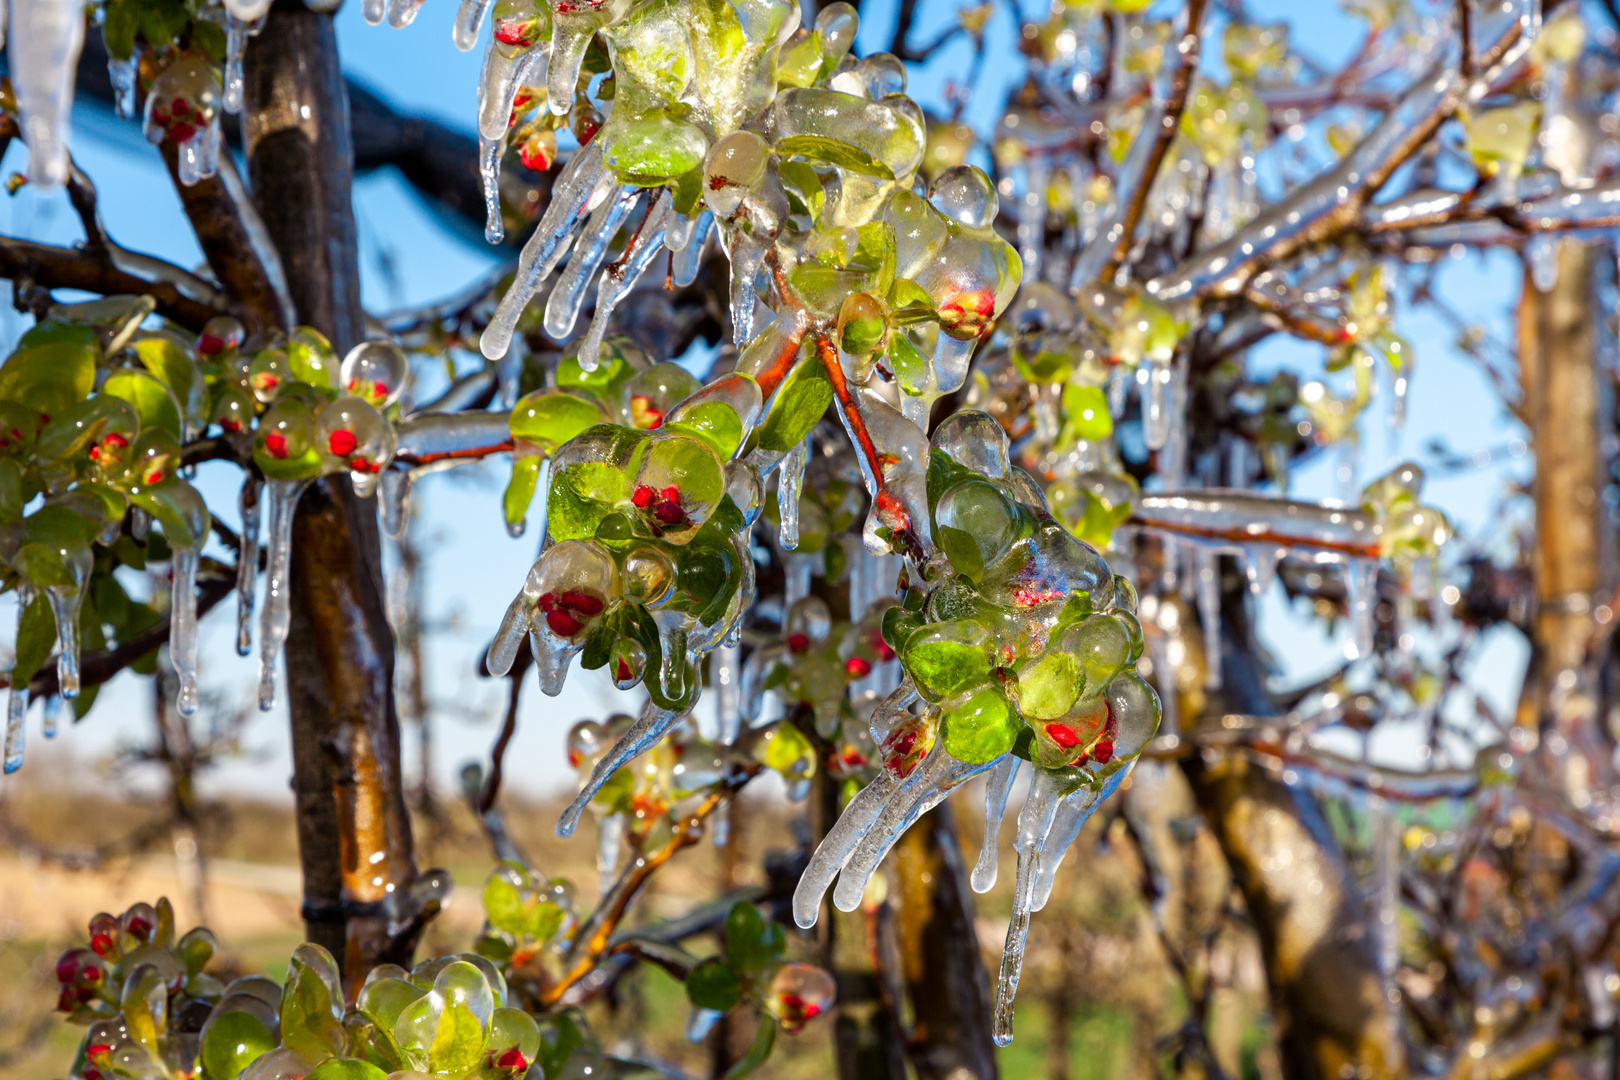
(28, 263)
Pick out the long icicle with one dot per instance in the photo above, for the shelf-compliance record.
(653, 724)
(568, 295)
(65, 601)
(1034, 824)
(1071, 817)
(183, 626)
(17, 702)
(789, 486)
(282, 497)
(618, 278)
(247, 563)
(835, 849)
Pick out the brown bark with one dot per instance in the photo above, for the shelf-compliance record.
(1558, 374)
(940, 958)
(1332, 1017)
(354, 830)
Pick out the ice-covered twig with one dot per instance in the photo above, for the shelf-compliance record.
(1243, 518)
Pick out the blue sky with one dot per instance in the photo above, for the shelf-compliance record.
(409, 258)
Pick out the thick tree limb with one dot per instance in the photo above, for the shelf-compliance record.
(26, 262)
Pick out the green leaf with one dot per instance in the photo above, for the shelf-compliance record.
(759, 1052)
(687, 192)
(803, 186)
(982, 728)
(908, 363)
(713, 985)
(798, 404)
(11, 492)
(834, 152)
(346, 1069)
(170, 360)
(752, 942)
(549, 418)
(152, 400)
(715, 424)
(504, 906)
(208, 37)
(36, 636)
(1049, 687)
(962, 550)
(119, 28)
(581, 496)
(48, 378)
(458, 1042)
(942, 668)
(233, 1041)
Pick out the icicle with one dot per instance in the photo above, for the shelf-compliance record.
(236, 35)
(1401, 381)
(835, 849)
(1541, 252)
(183, 627)
(997, 786)
(469, 18)
(926, 787)
(609, 843)
(797, 572)
(1361, 595)
(281, 497)
(373, 11)
(17, 702)
(789, 485)
(747, 255)
(1032, 216)
(199, 155)
(52, 713)
(489, 175)
(689, 258)
(394, 500)
(653, 724)
(568, 294)
(619, 277)
(509, 375)
(1156, 411)
(570, 38)
(65, 601)
(1260, 566)
(121, 73)
(726, 673)
(582, 183)
(1034, 823)
(247, 564)
(1071, 817)
(1209, 612)
(401, 13)
(43, 54)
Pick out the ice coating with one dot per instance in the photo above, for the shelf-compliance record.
(1242, 517)
(247, 563)
(1070, 818)
(653, 724)
(469, 17)
(42, 51)
(582, 183)
(568, 294)
(281, 500)
(790, 484)
(620, 276)
(1034, 825)
(183, 626)
(183, 107)
(726, 674)
(121, 74)
(65, 601)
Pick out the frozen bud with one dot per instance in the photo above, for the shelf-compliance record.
(731, 170)
(538, 150)
(798, 994)
(104, 936)
(521, 23)
(808, 624)
(652, 393)
(1082, 732)
(310, 357)
(268, 373)
(233, 412)
(351, 434)
(629, 663)
(571, 586)
(966, 196)
(649, 575)
(375, 372)
(975, 441)
(220, 336)
(587, 740)
(862, 324)
(183, 101)
(140, 923)
(285, 435)
(153, 459)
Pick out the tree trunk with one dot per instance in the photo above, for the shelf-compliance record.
(1332, 1016)
(363, 898)
(940, 958)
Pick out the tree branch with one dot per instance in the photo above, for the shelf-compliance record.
(28, 263)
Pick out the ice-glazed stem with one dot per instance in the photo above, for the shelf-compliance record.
(690, 256)
(183, 627)
(281, 497)
(1071, 817)
(43, 54)
(726, 673)
(568, 295)
(838, 845)
(651, 726)
(926, 787)
(65, 601)
(576, 191)
(1034, 825)
(1245, 518)
(789, 486)
(236, 34)
(619, 277)
(469, 18)
(997, 786)
(17, 700)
